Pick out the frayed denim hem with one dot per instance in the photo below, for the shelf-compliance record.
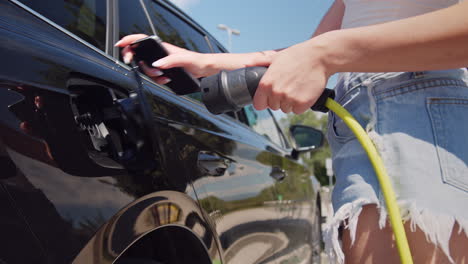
(438, 228)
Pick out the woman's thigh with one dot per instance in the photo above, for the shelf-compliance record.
(375, 245)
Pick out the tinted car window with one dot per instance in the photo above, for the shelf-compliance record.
(262, 122)
(132, 19)
(173, 29)
(84, 18)
(217, 49)
(283, 124)
(215, 46)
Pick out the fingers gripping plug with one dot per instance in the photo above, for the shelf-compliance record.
(232, 90)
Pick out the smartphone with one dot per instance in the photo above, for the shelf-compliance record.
(149, 50)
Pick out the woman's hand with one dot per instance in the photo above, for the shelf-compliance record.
(295, 79)
(197, 64)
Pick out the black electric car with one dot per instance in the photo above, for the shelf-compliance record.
(89, 176)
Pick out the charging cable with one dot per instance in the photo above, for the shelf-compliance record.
(385, 184)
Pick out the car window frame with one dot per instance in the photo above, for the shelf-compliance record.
(181, 16)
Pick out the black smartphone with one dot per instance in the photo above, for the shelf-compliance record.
(149, 50)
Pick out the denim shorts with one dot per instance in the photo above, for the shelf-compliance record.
(419, 123)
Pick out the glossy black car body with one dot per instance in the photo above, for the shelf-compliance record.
(86, 179)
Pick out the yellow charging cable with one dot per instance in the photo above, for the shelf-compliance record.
(385, 184)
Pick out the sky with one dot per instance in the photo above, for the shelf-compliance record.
(263, 24)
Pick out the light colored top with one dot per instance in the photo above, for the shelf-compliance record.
(360, 13)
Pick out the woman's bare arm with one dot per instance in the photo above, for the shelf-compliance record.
(331, 21)
(433, 41)
(437, 40)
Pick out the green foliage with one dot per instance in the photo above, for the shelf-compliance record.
(316, 159)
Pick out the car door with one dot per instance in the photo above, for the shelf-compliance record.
(296, 196)
(66, 183)
(169, 111)
(86, 167)
(224, 159)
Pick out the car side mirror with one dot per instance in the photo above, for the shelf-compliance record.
(306, 139)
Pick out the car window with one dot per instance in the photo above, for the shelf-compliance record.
(173, 29)
(262, 122)
(283, 123)
(132, 20)
(215, 45)
(84, 18)
(218, 49)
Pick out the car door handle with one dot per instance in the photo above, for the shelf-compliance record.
(212, 164)
(278, 174)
